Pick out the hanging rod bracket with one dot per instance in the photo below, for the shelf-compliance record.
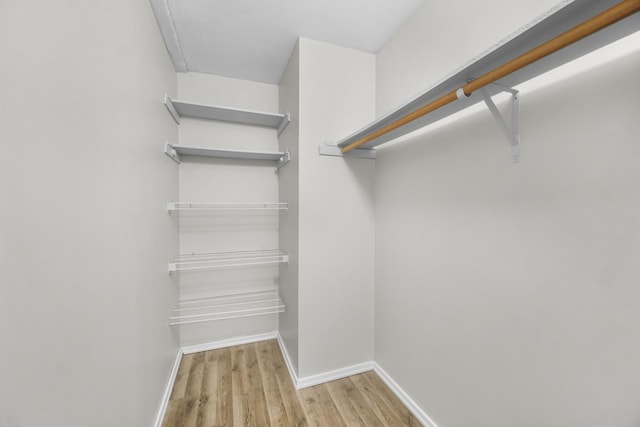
(511, 132)
(171, 152)
(332, 149)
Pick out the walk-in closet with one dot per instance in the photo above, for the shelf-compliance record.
(320, 213)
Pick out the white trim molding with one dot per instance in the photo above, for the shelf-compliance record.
(169, 34)
(404, 397)
(323, 377)
(287, 361)
(189, 349)
(168, 389)
(336, 374)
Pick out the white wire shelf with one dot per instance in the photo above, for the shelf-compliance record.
(257, 303)
(178, 108)
(216, 260)
(206, 206)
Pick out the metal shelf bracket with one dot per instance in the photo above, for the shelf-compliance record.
(511, 132)
(332, 149)
(283, 124)
(171, 152)
(171, 108)
(286, 158)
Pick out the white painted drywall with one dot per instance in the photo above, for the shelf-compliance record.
(506, 294)
(227, 180)
(289, 187)
(336, 222)
(84, 236)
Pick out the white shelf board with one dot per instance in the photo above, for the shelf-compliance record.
(204, 206)
(175, 151)
(561, 18)
(237, 259)
(223, 307)
(179, 108)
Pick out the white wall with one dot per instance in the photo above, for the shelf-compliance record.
(337, 94)
(227, 180)
(289, 187)
(84, 238)
(506, 294)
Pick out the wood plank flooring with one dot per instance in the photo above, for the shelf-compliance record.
(249, 385)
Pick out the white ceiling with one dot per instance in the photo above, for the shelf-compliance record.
(252, 39)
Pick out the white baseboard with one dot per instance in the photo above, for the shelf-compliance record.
(167, 391)
(287, 361)
(189, 349)
(336, 374)
(404, 397)
(324, 377)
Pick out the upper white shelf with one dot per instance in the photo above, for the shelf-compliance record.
(566, 15)
(174, 151)
(205, 206)
(179, 109)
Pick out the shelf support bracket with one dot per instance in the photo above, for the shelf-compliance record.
(283, 124)
(286, 158)
(332, 149)
(511, 132)
(171, 108)
(171, 152)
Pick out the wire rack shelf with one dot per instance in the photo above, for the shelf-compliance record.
(228, 259)
(233, 306)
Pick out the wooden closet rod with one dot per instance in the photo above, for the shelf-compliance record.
(588, 27)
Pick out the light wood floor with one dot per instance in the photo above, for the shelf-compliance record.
(249, 385)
